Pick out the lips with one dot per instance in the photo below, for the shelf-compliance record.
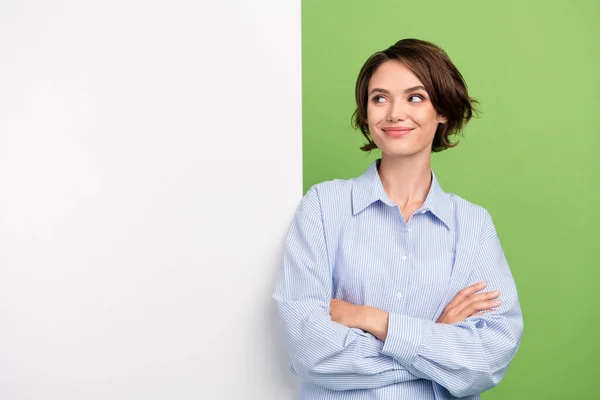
(397, 131)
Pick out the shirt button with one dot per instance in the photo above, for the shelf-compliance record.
(399, 295)
(403, 257)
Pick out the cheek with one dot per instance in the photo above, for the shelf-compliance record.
(428, 115)
(426, 119)
(375, 114)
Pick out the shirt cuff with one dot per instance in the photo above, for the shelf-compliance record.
(403, 338)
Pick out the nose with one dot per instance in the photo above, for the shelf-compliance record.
(396, 111)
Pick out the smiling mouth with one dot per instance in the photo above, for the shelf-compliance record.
(397, 132)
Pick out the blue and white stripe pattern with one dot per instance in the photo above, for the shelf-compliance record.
(348, 240)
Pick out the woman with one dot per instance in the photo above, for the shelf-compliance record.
(382, 289)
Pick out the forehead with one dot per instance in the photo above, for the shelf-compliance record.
(393, 75)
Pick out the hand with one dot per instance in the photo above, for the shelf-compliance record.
(467, 304)
(345, 313)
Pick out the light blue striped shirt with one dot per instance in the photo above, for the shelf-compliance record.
(349, 241)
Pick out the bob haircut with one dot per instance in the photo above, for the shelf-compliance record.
(442, 80)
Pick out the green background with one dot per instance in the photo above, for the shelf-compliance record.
(530, 158)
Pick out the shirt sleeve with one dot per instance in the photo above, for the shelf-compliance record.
(471, 356)
(322, 351)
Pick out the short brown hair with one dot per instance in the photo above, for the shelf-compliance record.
(442, 80)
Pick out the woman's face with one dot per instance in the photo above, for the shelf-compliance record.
(401, 118)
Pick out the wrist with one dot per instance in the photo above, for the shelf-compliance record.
(362, 318)
(373, 320)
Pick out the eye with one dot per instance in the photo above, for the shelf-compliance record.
(378, 99)
(416, 98)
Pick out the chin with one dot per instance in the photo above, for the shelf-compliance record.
(402, 151)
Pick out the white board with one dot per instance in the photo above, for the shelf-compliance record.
(150, 164)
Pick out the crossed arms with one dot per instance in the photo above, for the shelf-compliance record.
(343, 346)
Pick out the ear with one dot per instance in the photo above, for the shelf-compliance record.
(442, 119)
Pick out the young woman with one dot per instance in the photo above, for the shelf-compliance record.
(382, 288)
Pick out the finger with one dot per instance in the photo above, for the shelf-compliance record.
(479, 306)
(479, 313)
(489, 310)
(464, 293)
(494, 295)
(475, 298)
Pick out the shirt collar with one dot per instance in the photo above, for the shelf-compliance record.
(368, 189)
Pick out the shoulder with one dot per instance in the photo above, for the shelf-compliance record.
(465, 208)
(329, 195)
(469, 215)
(329, 191)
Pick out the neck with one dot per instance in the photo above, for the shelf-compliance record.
(406, 180)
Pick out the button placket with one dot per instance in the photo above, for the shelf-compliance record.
(399, 286)
(406, 258)
(403, 274)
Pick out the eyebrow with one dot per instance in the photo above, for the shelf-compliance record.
(411, 89)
